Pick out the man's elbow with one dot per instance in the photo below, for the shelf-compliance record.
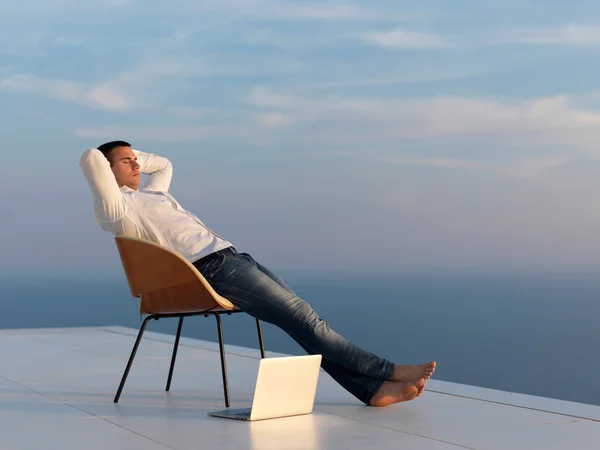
(167, 169)
(85, 156)
(90, 156)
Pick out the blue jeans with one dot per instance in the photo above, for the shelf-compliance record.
(260, 293)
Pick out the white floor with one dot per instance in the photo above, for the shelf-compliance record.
(57, 386)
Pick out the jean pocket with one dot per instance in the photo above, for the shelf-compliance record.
(210, 269)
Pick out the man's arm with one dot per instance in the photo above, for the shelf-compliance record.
(109, 204)
(159, 169)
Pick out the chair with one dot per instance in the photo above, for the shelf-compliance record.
(170, 286)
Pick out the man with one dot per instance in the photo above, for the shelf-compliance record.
(122, 208)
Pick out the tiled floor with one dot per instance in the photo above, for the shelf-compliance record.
(57, 386)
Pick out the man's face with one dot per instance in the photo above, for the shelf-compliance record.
(125, 167)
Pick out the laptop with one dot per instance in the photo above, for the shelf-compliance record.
(285, 387)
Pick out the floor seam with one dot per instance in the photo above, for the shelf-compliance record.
(181, 344)
(87, 412)
(397, 431)
(515, 406)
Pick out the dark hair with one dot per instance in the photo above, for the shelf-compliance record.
(107, 148)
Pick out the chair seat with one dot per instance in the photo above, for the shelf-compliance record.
(194, 313)
(183, 298)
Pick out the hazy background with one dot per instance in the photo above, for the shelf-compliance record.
(403, 135)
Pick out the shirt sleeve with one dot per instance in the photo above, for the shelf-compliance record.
(159, 169)
(109, 204)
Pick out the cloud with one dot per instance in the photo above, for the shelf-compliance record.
(568, 35)
(558, 123)
(525, 168)
(384, 129)
(194, 113)
(166, 133)
(273, 10)
(563, 35)
(274, 120)
(388, 130)
(404, 39)
(410, 76)
(147, 84)
(451, 116)
(100, 96)
(277, 10)
(47, 8)
(533, 167)
(552, 120)
(311, 11)
(107, 97)
(153, 77)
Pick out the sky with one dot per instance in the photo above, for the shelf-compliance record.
(333, 135)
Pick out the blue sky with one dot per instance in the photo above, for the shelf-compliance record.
(396, 135)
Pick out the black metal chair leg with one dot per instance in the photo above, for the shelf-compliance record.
(175, 346)
(223, 363)
(130, 362)
(260, 339)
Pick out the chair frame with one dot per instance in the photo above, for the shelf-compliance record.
(165, 290)
(181, 316)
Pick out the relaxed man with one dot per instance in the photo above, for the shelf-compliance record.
(113, 171)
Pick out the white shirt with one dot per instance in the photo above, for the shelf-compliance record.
(149, 213)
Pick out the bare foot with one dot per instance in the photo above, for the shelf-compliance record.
(420, 390)
(398, 391)
(412, 373)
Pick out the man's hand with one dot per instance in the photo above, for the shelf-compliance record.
(159, 169)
